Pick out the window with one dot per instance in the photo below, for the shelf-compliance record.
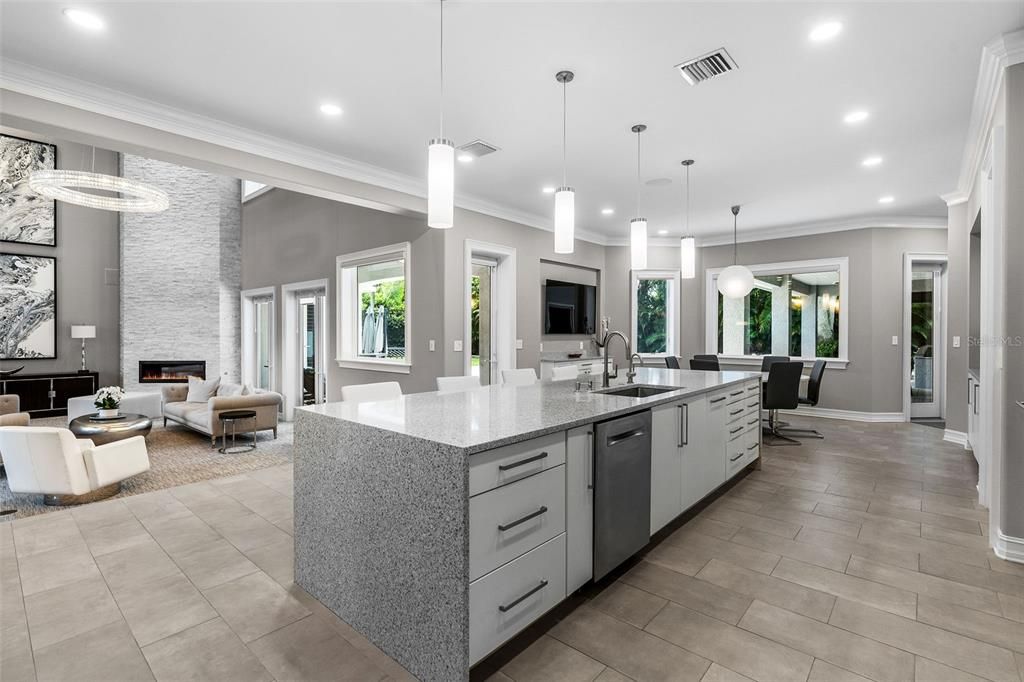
(794, 309)
(373, 309)
(654, 307)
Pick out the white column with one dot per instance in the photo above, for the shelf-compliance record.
(734, 331)
(809, 324)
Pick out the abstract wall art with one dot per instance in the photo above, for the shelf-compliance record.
(25, 217)
(28, 307)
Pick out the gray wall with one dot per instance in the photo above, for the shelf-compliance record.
(1013, 462)
(532, 246)
(872, 380)
(87, 246)
(958, 313)
(290, 237)
(181, 270)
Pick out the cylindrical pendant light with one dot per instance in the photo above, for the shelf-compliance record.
(687, 245)
(565, 196)
(735, 281)
(441, 164)
(638, 226)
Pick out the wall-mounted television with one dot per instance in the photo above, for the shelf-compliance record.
(569, 308)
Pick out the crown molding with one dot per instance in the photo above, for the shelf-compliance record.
(954, 198)
(60, 89)
(999, 54)
(805, 229)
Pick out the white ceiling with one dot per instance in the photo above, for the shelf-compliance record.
(769, 136)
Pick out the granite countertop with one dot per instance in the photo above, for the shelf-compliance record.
(493, 416)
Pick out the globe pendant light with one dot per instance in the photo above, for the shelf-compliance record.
(565, 196)
(687, 245)
(638, 226)
(441, 165)
(735, 281)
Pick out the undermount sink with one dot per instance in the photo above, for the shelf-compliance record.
(638, 390)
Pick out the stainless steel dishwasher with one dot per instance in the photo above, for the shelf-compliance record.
(622, 490)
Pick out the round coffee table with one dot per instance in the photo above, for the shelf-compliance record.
(102, 431)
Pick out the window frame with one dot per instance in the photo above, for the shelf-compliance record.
(348, 317)
(840, 263)
(672, 310)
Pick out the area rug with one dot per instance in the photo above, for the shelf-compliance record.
(176, 456)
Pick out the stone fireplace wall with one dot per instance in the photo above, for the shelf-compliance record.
(181, 273)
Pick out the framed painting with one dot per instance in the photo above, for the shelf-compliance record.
(25, 217)
(28, 307)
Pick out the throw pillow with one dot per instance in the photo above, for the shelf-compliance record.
(230, 390)
(200, 391)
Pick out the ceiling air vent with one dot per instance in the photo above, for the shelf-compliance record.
(477, 148)
(707, 66)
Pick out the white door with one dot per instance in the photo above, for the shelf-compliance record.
(263, 330)
(312, 347)
(483, 318)
(926, 361)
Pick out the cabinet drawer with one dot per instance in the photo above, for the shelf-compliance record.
(493, 468)
(505, 601)
(736, 394)
(718, 400)
(513, 519)
(739, 454)
(734, 431)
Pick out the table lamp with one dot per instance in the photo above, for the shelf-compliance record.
(83, 331)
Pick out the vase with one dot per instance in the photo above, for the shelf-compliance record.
(108, 414)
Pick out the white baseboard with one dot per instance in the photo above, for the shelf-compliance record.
(849, 415)
(958, 437)
(1009, 548)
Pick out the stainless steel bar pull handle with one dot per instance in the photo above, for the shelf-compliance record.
(736, 393)
(531, 515)
(736, 412)
(717, 400)
(751, 447)
(620, 437)
(590, 460)
(522, 462)
(506, 607)
(736, 430)
(684, 428)
(738, 455)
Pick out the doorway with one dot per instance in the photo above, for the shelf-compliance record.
(923, 338)
(258, 338)
(483, 335)
(490, 310)
(304, 354)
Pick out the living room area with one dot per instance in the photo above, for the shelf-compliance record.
(122, 327)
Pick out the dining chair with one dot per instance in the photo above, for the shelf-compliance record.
(458, 384)
(519, 377)
(365, 393)
(672, 362)
(707, 363)
(768, 360)
(782, 392)
(810, 400)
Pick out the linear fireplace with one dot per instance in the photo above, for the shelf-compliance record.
(170, 371)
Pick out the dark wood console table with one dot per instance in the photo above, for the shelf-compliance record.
(46, 394)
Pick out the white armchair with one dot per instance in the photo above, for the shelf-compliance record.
(52, 462)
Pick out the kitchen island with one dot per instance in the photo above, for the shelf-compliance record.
(420, 519)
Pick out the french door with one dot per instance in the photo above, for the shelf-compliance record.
(312, 346)
(483, 342)
(926, 354)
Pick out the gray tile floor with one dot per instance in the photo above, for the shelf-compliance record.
(860, 557)
(188, 583)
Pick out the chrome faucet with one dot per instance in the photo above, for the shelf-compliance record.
(631, 373)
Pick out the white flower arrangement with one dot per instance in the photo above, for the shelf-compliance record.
(109, 397)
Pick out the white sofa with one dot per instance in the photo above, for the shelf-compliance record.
(136, 402)
(52, 462)
(204, 417)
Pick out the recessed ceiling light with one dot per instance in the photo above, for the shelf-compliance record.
(328, 109)
(887, 199)
(854, 117)
(871, 161)
(548, 190)
(84, 19)
(825, 31)
(662, 232)
(607, 211)
(465, 158)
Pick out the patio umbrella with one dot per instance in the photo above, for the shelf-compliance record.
(381, 335)
(369, 332)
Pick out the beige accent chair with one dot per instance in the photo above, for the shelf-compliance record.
(205, 417)
(368, 393)
(65, 470)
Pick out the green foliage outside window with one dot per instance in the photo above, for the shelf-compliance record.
(759, 322)
(652, 316)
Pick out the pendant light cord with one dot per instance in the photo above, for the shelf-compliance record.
(563, 133)
(638, 173)
(735, 260)
(687, 200)
(441, 103)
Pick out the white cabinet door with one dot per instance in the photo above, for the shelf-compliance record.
(666, 464)
(702, 469)
(717, 435)
(579, 507)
